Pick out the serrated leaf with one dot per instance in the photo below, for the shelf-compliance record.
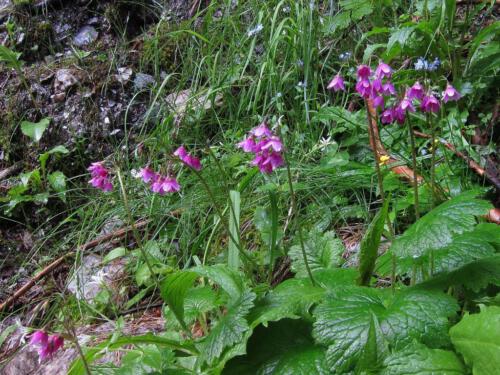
(290, 299)
(230, 280)
(369, 245)
(35, 130)
(477, 338)
(437, 229)
(323, 250)
(475, 275)
(400, 36)
(284, 348)
(344, 317)
(417, 359)
(229, 330)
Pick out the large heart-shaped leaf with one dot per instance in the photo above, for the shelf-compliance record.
(344, 318)
(35, 130)
(417, 359)
(477, 338)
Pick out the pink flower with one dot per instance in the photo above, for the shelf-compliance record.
(100, 177)
(267, 162)
(378, 101)
(364, 72)
(46, 345)
(336, 84)
(387, 117)
(383, 70)
(261, 131)
(376, 86)
(450, 94)
(430, 104)
(416, 91)
(363, 88)
(274, 143)
(247, 145)
(148, 175)
(189, 160)
(164, 185)
(406, 105)
(388, 89)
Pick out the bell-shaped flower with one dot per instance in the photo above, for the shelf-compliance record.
(189, 160)
(383, 71)
(364, 72)
(100, 177)
(364, 88)
(430, 104)
(261, 131)
(416, 91)
(46, 345)
(336, 84)
(387, 117)
(147, 175)
(388, 89)
(450, 94)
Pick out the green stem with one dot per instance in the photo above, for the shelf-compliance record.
(299, 227)
(414, 166)
(433, 161)
(134, 229)
(221, 216)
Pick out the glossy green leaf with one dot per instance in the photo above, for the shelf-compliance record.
(344, 318)
(477, 338)
(417, 359)
(173, 291)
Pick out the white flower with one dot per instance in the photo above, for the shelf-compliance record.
(257, 29)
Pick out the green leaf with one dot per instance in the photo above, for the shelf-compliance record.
(284, 348)
(417, 359)
(369, 245)
(10, 58)
(116, 253)
(35, 130)
(56, 150)
(230, 280)
(344, 318)
(229, 330)
(323, 250)
(375, 350)
(435, 230)
(173, 292)
(233, 255)
(477, 338)
(291, 299)
(475, 276)
(400, 36)
(264, 222)
(92, 354)
(57, 181)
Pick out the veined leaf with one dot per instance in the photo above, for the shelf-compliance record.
(344, 318)
(229, 330)
(233, 255)
(477, 338)
(436, 229)
(417, 359)
(323, 251)
(173, 291)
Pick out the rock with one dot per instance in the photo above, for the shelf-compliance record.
(183, 100)
(64, 80)
(85, 36)
(124, 75)
(143, 81)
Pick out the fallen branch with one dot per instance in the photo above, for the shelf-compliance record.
(55, 264)
(470, 162)
(9, 171)
(376, 143)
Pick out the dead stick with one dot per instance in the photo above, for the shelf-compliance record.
(52, 266)
(10, 170)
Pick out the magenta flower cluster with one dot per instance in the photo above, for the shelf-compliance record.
(45, 344)
(158, 183)
(377, 87)
(266, 147)
(100, 177)
(189, 160)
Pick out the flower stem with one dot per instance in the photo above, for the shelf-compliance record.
(299, 227)
(414, 166)
(433, 162)
(221, 215)
(134, 229)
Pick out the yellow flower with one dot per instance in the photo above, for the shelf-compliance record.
(384, 159)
